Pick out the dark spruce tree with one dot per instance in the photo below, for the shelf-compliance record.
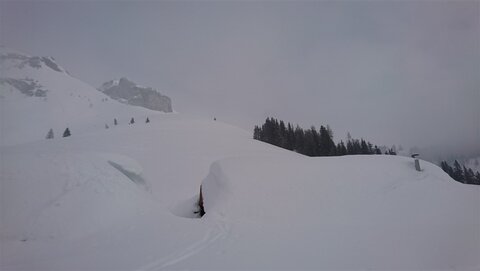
(49, 134)
(310, 142)
(310, 148)
(282, 133)
(290, 137)
(341, 149)
(299, 140)
(354, 147)
(326, 145)
(67, 133)
(457, 171)
(447, 168)
(461, 173)
(477, 178)
(257, 133)
(364, 147)
(468, 175)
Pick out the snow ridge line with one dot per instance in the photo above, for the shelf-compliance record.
(219, 231)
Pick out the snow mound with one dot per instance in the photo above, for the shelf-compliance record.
(83, 184)
(341, 213)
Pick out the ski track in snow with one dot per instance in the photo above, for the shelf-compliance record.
(69, 185)
(218, 231)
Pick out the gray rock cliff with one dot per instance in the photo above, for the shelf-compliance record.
(128, 92)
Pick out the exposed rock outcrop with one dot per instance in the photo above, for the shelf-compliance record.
(128, 92)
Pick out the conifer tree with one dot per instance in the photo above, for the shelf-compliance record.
(442, 165)
(370, 148)
(106, 126)
(311, 142)
(268, 131)
(363, 147)
(115, 122)
(457, 171)
(357, 147)
(326, 145)
(468, 175)
(341, 149)
(330, 131)
(276, 140)
(316, 149)
(283, 135)
(132, 121)
(461, 173)
(472, 176)
(50, 134)
(147, 121)
(257, 133)
(477, 178)
(299, 140)
(290, 137)
(447, 168)
(66, 133)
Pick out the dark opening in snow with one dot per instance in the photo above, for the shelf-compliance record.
(201, 209)
(190, 208)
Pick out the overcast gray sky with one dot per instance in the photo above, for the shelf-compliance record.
(404, 72)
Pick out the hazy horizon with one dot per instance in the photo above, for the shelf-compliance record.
(391, 72)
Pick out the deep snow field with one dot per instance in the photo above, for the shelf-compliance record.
(123, 199)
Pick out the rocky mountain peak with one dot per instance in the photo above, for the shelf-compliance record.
(128, 92)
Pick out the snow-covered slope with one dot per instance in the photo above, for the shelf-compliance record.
(126, 91)
(37, 94)
(124, 199)
(354, 212)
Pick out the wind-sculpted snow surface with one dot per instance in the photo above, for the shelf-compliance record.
(78, 203)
